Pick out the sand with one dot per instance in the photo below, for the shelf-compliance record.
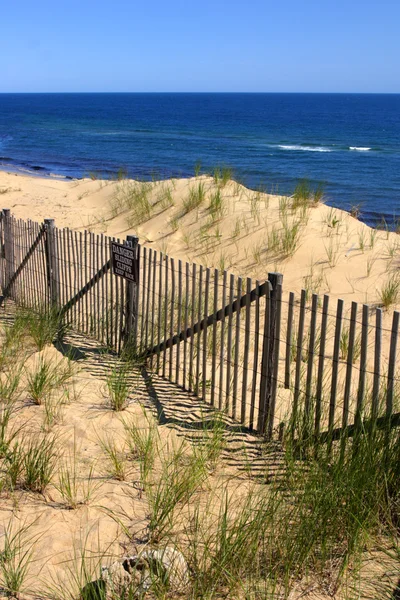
(336, 254)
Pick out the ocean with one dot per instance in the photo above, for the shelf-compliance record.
(350, 143)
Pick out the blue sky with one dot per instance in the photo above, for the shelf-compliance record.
(213, 45)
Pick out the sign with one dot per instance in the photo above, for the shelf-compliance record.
(123, 262)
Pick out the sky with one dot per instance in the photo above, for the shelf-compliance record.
(207, 46)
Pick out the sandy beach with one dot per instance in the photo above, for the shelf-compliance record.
(334, 252)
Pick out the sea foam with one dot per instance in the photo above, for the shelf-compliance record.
(305, 148)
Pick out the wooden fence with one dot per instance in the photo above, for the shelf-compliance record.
(241, 345)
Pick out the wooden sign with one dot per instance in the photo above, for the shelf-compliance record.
(124, 262)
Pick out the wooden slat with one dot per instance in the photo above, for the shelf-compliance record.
(349, 365)
(246, 352)
(275, 363)
(335, 364)
(392, 366)
(222, 345)
(321, 364)
(205, 330)
(229, 342)
(153, 300)
(166, 306)
(289, 331)
(237, 350)
(160, 284)
(255, 356)
(186, 324)
(377, 364)
(199, 314)
(363, 366)
(172, 319)
(310, 362)
(148, 293)
(179, 323)
(214, 340)
(193, 320)
(299, 351)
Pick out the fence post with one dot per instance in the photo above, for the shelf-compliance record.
(8, 246)
(270, 356)
(51, 263)
(132, 298)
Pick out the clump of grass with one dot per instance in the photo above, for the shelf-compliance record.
(222, 175)
(304, 195)
(217, 206)
(197, 196)
(180, 477)
(15, 558)
(355, 211)
(73, 489)
(31, 465)
(42, 381)
(119, 385)
(389, 292)
(212, 441)
(197, 168)
(142, 443)
(116, 456)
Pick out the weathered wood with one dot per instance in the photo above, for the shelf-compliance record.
(132, 289)
(289, 335)
(153, 300)
(255, 355)
(363, 367)
(172, 319)
(199, 313)
(222, 344)
(166, 305)
(275, 363)
(377, 364)
(335, 364)
(179, 323)
(392, 366)
(246, 344)
(229, 342)
(31, 251)
(145, 344)
(349, 366)
(189, 334)
(214, 340)
(160, 284)
(321, 364)
(310, 360)
(51, 262)
(299, 353)
(205, 330)
(8, 246)
(186, 323)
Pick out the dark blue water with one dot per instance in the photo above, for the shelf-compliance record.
(349, 142)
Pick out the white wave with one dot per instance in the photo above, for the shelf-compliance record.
(305, 148)
(359, 148)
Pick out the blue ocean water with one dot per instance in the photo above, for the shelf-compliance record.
(349, 142)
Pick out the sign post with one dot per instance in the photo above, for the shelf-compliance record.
(125, 263)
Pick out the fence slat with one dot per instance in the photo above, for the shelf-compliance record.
(255, 355)
(186, 324)
(310, 359)
(349, 366)
(160, 314)
(237, 349)
(289, 340)
(363, 366)
(377, 364)
(335, 364)
(199, 313)
(246, 351)
(229, 345)
(392, 366)
(172, 319)
(205, 330)
(166, 305)
(214, 339)
(193, 320)
(222, 344)
(299, 353)
(321, 363)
